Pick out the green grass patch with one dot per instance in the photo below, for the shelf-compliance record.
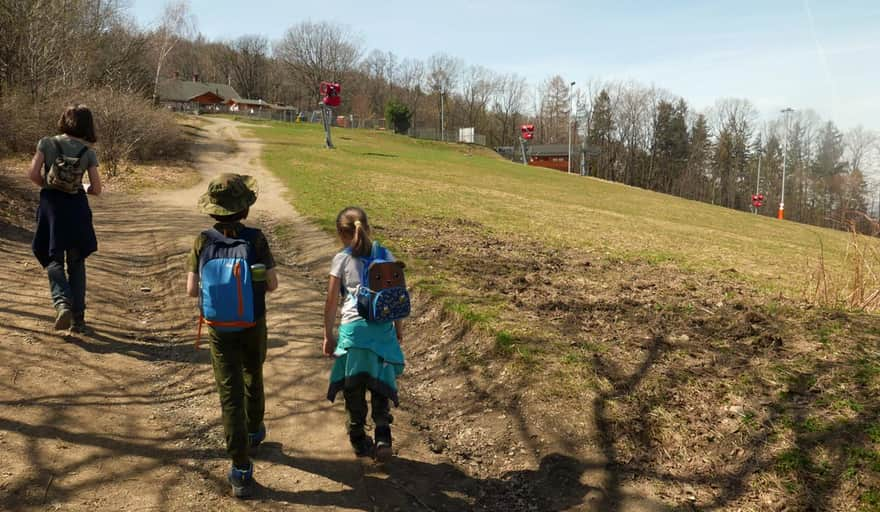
(468, 312)
(792, 461)
(396, 177)
(870, 500)
(873, 432)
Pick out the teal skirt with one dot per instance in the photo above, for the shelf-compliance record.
(367, 354)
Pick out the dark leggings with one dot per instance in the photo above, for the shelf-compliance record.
(356, 406)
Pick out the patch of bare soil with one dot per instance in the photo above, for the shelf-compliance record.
(650, 386)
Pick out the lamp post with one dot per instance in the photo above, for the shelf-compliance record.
(781, 213)
(758, 183)
(570, 108)
(442, 120)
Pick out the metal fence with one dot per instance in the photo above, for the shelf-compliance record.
(355, 122)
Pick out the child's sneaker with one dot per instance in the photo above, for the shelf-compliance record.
(362, 444)
(242, 481)
(255, 438)
(63, 317)
(383, 451)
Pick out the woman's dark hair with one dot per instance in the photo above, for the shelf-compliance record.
(235, 217)
(77, 121)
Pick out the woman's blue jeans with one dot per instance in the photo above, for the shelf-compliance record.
(68, 288)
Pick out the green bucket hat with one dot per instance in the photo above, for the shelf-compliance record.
(228, 194)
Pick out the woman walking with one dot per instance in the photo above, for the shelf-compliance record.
(65, 234)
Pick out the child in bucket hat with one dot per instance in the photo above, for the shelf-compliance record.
(238, 347)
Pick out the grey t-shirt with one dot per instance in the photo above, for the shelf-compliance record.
(70, 147)
(348, 269)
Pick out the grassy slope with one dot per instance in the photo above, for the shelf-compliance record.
(806, 378)
(391, 175)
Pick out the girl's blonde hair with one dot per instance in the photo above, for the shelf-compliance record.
(352, 223)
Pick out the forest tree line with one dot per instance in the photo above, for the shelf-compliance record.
(53, 50)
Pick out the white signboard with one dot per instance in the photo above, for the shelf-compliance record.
(466, 135)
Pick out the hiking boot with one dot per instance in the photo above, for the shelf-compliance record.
(79, 327)
(242, 481)
(362, 445)
(63, 317)
(255, 438)
(383, 451)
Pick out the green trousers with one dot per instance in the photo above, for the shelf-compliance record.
(356, 407)
(238, 359)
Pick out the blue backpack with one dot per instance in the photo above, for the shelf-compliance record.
(228, 301)
(381, 296)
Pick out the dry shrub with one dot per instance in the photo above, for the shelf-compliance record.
(857, 284)
(23, 122)
(129, 127)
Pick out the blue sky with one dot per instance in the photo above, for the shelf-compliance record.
(819, 54)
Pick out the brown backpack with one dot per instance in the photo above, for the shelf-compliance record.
(66, 172)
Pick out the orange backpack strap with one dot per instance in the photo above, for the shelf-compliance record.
(199, 333)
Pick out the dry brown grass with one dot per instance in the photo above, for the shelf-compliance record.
(129, 128)
(856, 283)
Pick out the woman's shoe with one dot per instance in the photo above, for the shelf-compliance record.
(63, 317)
(79, 327)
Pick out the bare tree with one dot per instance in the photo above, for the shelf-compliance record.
(411, 81)
(554, 109)
(859, 145)
(478, 86)
(175, 24)
(510, 99)
(632, 107)
(248, 65)
(381, 72)
(443, 76)
(319, 51)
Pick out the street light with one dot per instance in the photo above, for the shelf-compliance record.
(442, 120)
(570, 108)
(781, 213)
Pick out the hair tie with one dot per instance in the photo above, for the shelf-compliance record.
(357, 224)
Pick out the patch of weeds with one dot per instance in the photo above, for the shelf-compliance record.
(870, 500)
(859, 457)
(467, 312)
(866, 372)
(812, 425)
(843, 404)
(874, 432)
(793, 460)
(655, 258)
(748, 420)
(800, 383)
(467, 358)
(526, 354)
(505, 342)
(432, 286)
(745, 384)
(772, 308)
(509, 344)
(791, 486)
(826, 331)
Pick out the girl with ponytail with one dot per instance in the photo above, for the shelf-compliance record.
(367, 355)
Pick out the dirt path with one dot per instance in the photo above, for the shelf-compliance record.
(127, 418)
